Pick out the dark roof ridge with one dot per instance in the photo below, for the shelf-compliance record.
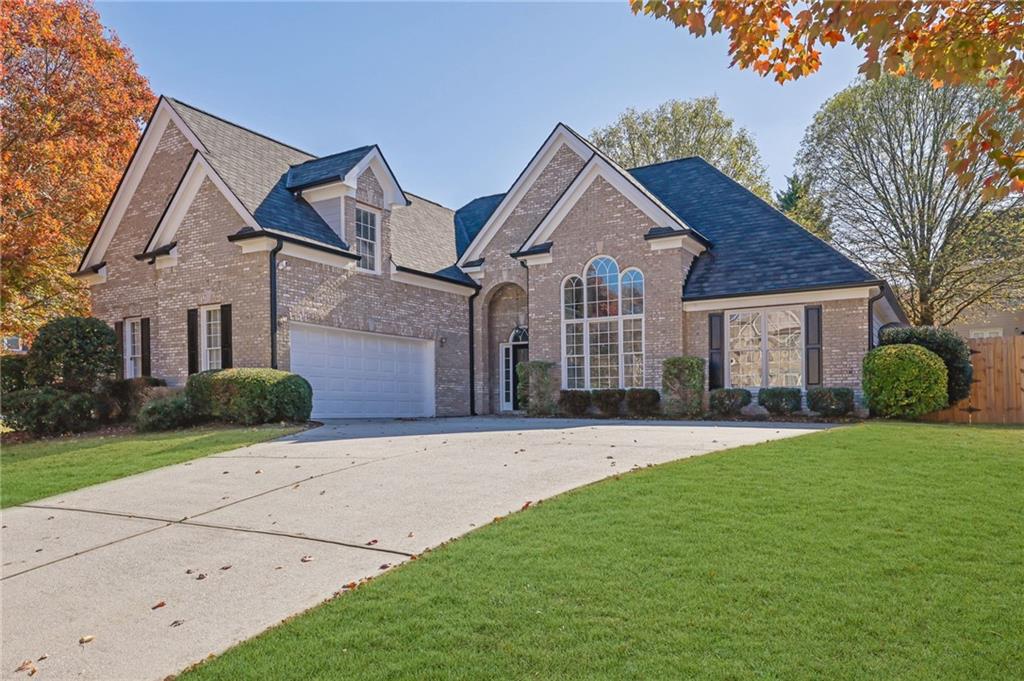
(240, 127)
(423, 198)
(367, 147)
(672, 160)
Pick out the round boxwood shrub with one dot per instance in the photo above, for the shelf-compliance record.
(780, 401)
(830, 401)
(642, 401)
(682, 384)
(48, 411)
(609, 401)
(728, 401)
(73, 353)
(249, 396)
(951, 348)
(574, 403)
(165, 413)
(13, 373)
(904, 381)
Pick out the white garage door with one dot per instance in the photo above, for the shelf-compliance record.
(364, 375)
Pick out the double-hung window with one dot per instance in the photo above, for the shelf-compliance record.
(765, 348)
(603, 327)
(210, 338)
(133, 348)
(367, 239)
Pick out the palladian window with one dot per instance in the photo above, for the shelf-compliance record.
(603, 327)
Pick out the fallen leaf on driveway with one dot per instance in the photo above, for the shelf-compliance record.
(177, 623)
(201, 575)
(258, 471)
(188, 571)
(306, 559)
(526, 506)
(371, 542)
(159, 605)
(85, 639)
(26, 666)
(385, 566)
(410, 535)
(226, 567)
(42, 657)
(350, 585)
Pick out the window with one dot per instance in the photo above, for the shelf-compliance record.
(366, 239)
(13, 344)
(765, 348)
(603, 327)
(986, 333)
(133, 348)
(210, 339)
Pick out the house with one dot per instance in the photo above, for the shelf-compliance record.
(989, 322)
(223, 247)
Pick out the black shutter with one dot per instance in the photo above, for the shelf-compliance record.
(716, 341)
(812, 325)
(119, 332)
(193, 341)
(144, 332)
(225, 336)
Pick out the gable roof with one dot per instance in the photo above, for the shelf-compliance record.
(325, 169)
(756, 249)
(471, 218)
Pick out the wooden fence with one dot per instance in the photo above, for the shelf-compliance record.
(997, 395)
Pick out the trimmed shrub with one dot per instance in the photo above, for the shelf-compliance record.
(609, 401)
(574, 402)
(830, 401)
(48, 411)
(249, 396)
(642, 401)
(13, 376)
(165, 413)
(780, 401)
(729, 401)
(904, 381)
(951, 348)
(73, 353)
(682, 383)
(537, 387)
(123, 398)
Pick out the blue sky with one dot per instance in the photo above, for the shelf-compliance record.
(458, 95)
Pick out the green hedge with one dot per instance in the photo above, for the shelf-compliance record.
(682, 385)
(537, 387)
(951, 348)
(642, 401)
(13, 373)
(49, 411)
(165, 413)
(780, 401)
(830, 401)
(609, 401)
(729, 401)
(904, 381)
(575, 403)
(73, 353)
(249, 396)
(123, 398)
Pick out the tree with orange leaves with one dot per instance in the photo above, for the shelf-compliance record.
(72, 105)
(947, 42)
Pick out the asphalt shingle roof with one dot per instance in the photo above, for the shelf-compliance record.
(470, 219)
(325, 169)
(755, 248)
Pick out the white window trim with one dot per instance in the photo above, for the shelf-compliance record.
(764, 344)
(619, 319)
(204, 356)
(987, 332)
(377, 250)
(127, 345)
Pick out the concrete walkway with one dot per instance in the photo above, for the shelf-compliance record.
(236, 542)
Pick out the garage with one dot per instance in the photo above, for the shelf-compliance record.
(364, 375)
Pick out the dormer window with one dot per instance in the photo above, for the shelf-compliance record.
(367, 239)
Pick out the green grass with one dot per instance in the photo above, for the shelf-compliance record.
(879, 551)
(40, 469)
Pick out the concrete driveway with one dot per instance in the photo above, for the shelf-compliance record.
(236, 542)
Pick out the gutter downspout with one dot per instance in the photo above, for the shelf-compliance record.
(871, 315)
(472, 357)
(273, 303)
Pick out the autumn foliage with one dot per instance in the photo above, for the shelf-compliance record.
(948, 42)
(72, 105)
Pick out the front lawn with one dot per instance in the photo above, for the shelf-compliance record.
(883, 550)
(40, 469)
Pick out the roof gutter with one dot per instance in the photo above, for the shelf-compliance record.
(871, 315)
(472, 355)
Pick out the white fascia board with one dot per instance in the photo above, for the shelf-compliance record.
(539, 259)
(599, 167)
(93, 278)
(199, 170)
(559, 136)
(334, 190)
(681, 241)
(393, 195)
(769, 299)
(167, 260)
(258, 244)
(428, 282)
(151, 137)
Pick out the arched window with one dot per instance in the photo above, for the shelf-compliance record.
(603, 327)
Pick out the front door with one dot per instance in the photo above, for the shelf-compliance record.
(512, 354)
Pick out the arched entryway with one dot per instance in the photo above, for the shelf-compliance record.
(507, 344)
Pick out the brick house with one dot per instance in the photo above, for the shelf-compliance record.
(222, 247)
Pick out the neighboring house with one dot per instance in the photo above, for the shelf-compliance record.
(990, 323)
(13, 345)
(222, 247)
